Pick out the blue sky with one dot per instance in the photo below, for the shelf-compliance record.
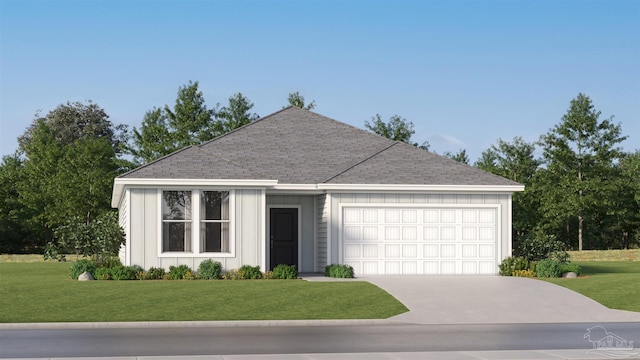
(464, 72)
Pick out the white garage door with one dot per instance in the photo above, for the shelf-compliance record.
(420, 241)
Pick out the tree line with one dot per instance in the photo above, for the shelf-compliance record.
(583, 189)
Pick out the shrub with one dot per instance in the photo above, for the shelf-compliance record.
(81, 266)
(338, 271)
(250, 272)
(232, 275)
(538, 247)
(125, 272)
(283, 271)
(549, 268)
(189, 275)
(571, 268)
(103, 273)
(524, 273)
(268, 275)
(101, 238)
(111, 262)
(154, 274)
(178, 272)
(210, 269)
(514, 263)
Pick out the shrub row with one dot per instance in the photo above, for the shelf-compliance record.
(338, 271)
(547, 268)
(112, 269)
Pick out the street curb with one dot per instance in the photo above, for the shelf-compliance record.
(190, 324)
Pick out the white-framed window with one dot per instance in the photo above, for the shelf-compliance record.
(214, 221)
(196, 222)
(176, 221)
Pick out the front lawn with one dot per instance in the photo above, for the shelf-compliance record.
(43, 292)
(614, 284)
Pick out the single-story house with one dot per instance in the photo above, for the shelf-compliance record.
(296, 187)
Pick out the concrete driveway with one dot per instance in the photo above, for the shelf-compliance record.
(493, 300)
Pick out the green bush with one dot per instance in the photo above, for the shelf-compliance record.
(571, 268)
(178, 272)
(538, 247)
(283, 271)
(119, 272)
(154, 273)
(250, 272)
(514, 263)
(338, 271)
(81, 266)
(232, 275)
(549, 268)
(111, 262)
(103, 273)
(210, 269)
(99, 239)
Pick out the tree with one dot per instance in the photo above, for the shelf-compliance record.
(72, 121)
(165, 130)
(619, 214)
(579, 154)
(235, 115)
(14, 234)
(516, 161)
(98, 239)
(69, 162)
(397, 129)
(297, 100)
(460, 156)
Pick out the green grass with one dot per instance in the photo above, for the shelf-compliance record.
(605, 255)
(43, 292)
(614, 284)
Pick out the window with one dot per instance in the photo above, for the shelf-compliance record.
(214, 221)
(196, 222)
(176, 221)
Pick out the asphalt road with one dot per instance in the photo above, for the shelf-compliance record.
(300, 339)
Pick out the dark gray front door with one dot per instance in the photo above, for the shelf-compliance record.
(284, 236)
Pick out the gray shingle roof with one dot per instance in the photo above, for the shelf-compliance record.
(297, 146)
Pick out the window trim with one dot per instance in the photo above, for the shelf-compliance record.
(196, 251)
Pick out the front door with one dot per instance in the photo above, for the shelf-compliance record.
(283, 236)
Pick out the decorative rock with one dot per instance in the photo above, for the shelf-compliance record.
(85, 276)
(570, 275)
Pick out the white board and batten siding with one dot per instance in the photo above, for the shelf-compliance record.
(420, 234)
(143, 217)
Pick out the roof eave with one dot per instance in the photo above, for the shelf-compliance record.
(423, 188)
(119, 184)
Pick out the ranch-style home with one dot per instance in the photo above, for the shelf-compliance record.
(296, 187)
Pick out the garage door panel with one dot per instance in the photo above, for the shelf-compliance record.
(469, 251)
(423, 241)
(447, 251)
(352, 233)
(469, 233)
(370, 267)
(370, 251)
(409, 233)
(409, 216)
(430, 251)
(409, 251)
(392, 268)
(392, 233)
(409, 268)
(392, 216)
(392, 251)
(469, 267)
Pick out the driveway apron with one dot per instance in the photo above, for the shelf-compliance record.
(493, 300)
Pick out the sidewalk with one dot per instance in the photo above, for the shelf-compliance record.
(437, 355)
